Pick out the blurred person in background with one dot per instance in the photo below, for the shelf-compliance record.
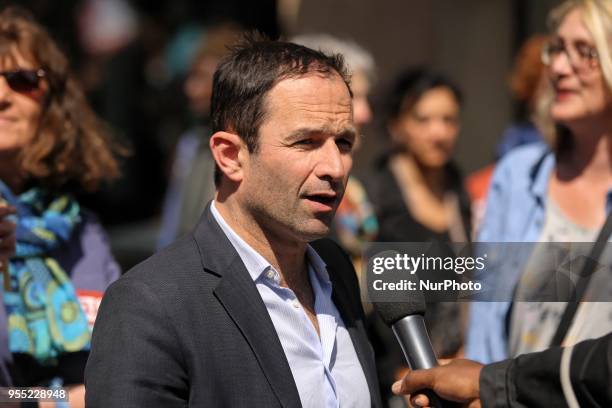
(122, 72)
(51, 145)
(418, 196)
(416, 188)
(355, 222)
(7, 234)
(527, 84)
(555, 192)
(191, 184)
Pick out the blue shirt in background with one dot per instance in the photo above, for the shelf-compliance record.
(515, 212)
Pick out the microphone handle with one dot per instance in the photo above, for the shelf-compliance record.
(412, 336)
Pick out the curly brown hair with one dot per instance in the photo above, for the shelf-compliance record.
(72, 146)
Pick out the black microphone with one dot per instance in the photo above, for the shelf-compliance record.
(407, 322)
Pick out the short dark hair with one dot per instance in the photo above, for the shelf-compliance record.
(410, 85)
(251, 69)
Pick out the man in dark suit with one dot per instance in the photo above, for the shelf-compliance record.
(244, 311)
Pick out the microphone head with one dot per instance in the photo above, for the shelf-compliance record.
(391, 312)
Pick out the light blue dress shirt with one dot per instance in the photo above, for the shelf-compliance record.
(515, 212)
(326, 369)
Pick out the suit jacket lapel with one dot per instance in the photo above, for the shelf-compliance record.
(238, 294)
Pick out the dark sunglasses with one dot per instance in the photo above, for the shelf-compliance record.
(23, 80)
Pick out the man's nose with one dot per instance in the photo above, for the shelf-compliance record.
(333, 163)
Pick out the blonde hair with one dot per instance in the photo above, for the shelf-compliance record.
(597, 18)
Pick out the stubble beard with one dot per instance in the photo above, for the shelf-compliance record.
(288, 224)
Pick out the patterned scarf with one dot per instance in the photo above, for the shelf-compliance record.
(45, 318)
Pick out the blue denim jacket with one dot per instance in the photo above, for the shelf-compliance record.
(515, 213)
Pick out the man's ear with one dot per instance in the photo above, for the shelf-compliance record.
(225, 148)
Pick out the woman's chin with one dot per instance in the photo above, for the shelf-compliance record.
(566, 115)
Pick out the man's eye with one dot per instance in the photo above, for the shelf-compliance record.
(304, 142)
(345, 144)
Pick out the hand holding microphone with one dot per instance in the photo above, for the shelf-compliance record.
(406, 319)
(456, 381)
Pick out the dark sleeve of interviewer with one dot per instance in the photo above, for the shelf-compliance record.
(547, 379)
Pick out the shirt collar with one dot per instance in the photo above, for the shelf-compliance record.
(540, 177)
(318, 265)
(254, 262)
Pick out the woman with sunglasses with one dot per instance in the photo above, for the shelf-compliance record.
(51, 145)
(555, 192)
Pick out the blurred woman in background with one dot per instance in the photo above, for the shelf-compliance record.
(416, 189)
(555, 192)
(51, 144)
(418, 196)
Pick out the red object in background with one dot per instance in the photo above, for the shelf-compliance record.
(90, 302)
(477, 183)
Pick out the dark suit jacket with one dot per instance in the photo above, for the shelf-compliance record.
(188, 327)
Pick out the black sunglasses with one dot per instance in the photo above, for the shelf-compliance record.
(23, 80)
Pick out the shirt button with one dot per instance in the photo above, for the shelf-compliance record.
(270, 274)
(296, 303)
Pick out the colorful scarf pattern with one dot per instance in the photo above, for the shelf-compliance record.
(45, 318)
